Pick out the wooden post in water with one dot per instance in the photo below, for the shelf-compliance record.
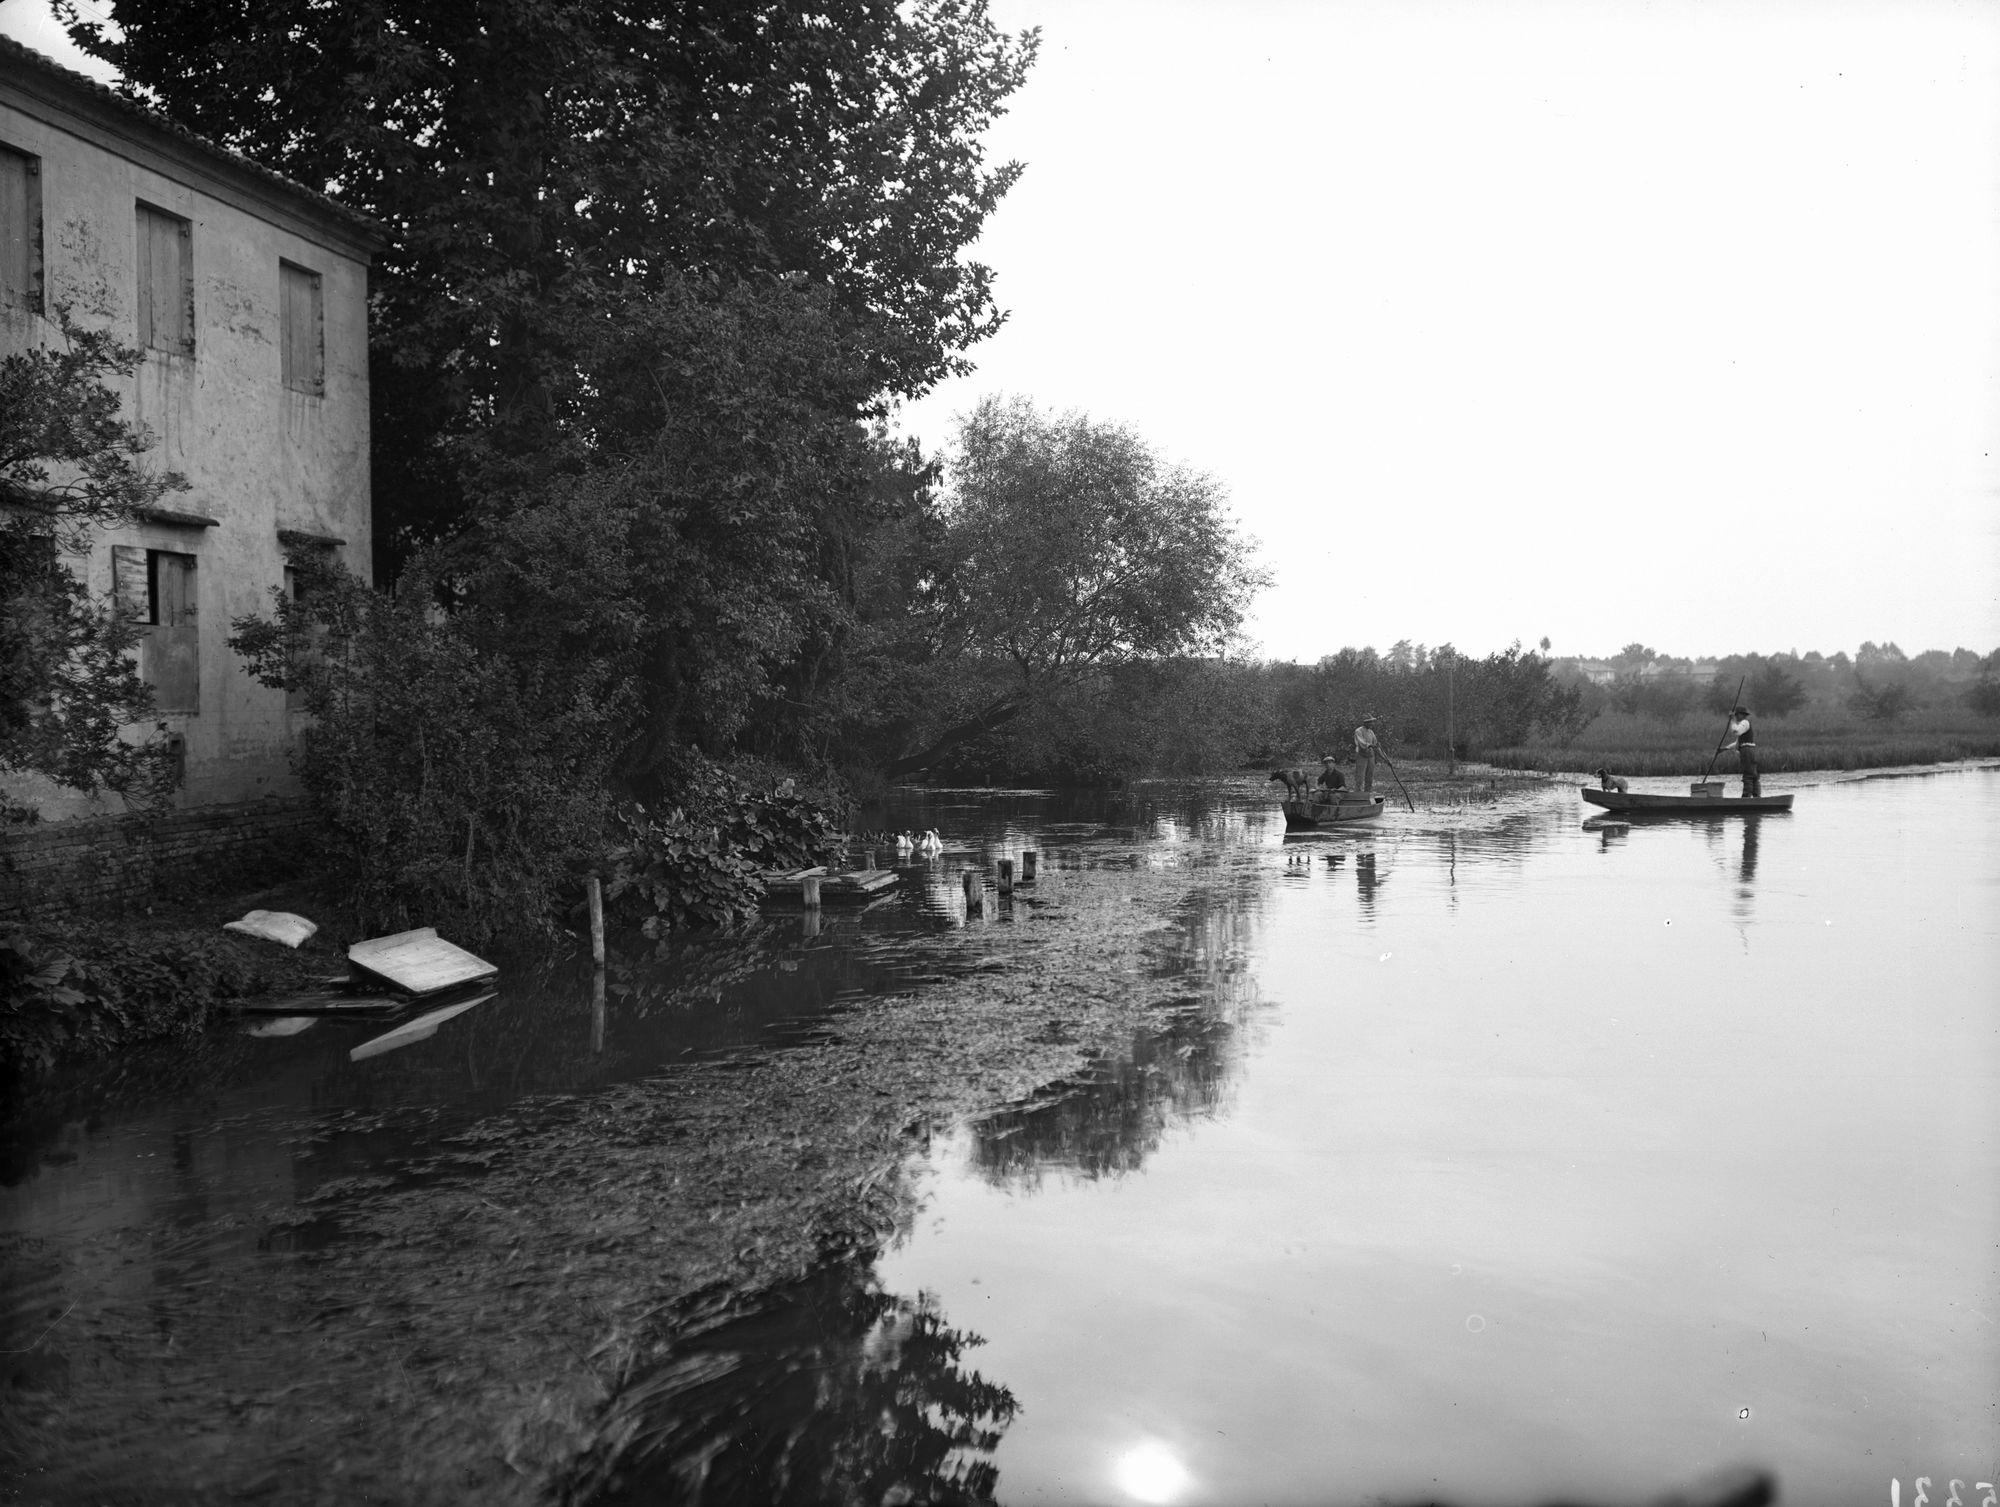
(870, 865)
(597, 1011)
(970, 878)
(596, 889)
(1028, 857)
(1006, 867)
(809, 891)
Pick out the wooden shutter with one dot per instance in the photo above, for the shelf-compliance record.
(20, 232)
(166, 281)
(302, 344)
(171, 662)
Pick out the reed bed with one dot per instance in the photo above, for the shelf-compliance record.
(1816, 739)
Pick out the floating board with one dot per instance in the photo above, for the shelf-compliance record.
(790, 881)
(413, 1031)
(857, 884)
(419, 962)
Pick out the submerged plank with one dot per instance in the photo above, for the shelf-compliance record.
(323, 1002)
(419, 962)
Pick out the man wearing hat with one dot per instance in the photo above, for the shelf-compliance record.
(1744, 741)
(1366, 745)
(1330, 777)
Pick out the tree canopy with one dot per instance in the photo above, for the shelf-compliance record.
(1063, 547)
(545, 167)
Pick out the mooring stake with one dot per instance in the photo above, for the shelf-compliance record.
(1006, 868)
(809, 891)
(1028, 858)
(596, 889)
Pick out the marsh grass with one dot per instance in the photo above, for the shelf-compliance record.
(1817, 738)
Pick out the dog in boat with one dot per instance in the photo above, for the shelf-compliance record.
(1298, 783)
(1606, 780)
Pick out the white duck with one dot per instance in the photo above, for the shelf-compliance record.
(905, 845)
(930, 845)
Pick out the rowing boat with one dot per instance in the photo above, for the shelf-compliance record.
(1343, 807)
(1620, 800)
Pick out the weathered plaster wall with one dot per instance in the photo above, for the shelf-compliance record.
(259, 457)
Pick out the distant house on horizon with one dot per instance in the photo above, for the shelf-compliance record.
(248, 294)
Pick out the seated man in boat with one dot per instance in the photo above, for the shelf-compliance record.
(1330, 777)
(1743, 739)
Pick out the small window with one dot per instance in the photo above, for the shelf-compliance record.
(303, 346)
(166, 282)
(156, 587)
(20, 231)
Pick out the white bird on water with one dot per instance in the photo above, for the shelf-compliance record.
(930, 845)
(905, 844)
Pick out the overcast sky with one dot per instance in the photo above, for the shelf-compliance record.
(1604, 320)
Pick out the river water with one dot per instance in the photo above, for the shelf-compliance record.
(1485, 1157)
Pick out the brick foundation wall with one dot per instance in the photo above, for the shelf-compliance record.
(106, 864)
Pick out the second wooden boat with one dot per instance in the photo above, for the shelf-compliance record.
(1620, 800)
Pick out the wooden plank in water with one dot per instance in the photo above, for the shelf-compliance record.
(861, 882)
(787, 881)
(419, 962)
(323, 1002)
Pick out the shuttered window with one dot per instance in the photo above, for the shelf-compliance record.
(166, 282)
(303, 346)
(20, 231)
(156, 587)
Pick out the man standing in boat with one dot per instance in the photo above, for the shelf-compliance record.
(1366, 745)
(1743, 739)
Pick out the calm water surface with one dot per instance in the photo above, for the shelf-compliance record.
(1483, 1158)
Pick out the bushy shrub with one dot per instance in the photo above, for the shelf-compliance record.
(81, 989)
(459, 760)
(698, 863)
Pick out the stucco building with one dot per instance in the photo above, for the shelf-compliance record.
(248, 294)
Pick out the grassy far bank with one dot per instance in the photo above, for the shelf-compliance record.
(1817, 738)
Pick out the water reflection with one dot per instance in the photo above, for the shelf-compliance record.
(1109, 1118)
(826, 1390)
(1177, 1067)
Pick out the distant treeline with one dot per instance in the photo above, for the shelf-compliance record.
(1192, 716)
(1189, 716)
(1879, 683)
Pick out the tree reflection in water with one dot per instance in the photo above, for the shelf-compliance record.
(1109, 1117)
(824, 1391)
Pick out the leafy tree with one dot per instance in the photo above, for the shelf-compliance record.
(1065, 548)
(1983, 696)
(1879, 703)
(70, 466)
(1774, 692)
(545, 167)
